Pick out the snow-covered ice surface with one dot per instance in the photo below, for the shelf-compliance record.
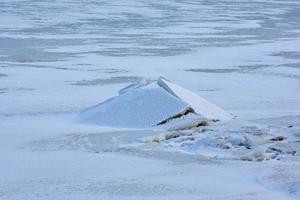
(60, 57)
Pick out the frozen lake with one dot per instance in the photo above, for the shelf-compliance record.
(60, 57)
(56, 55)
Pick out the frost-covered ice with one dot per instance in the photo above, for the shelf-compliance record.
(60, 57)
(152, 104)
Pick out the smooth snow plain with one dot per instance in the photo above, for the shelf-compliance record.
(58, 58)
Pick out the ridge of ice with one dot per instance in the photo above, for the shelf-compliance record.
(199, 104)
(148, 104)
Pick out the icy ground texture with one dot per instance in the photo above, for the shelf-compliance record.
(146, 105)
(59, 57)
(249, 143)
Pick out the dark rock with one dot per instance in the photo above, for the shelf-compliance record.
(278, 138)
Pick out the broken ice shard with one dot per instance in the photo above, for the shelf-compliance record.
(154, 104)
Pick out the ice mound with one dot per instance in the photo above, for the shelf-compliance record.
(154, 104)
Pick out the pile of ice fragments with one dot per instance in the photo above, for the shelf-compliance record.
(231, 142)
(154, 104)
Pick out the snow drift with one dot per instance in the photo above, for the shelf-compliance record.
(154, 104)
